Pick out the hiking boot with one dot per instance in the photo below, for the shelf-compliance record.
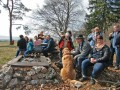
(78, 76)
(111, 65)
(83, 79)
(92, 81)
(116, 68)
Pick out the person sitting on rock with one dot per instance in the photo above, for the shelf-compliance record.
(30, 46)
(81, 53)
(37, 41)
(99, 58)
(50, 46)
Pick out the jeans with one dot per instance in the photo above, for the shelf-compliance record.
(97, 67)
(26, 52)
(117, 52)
(78, 63)
(18, 51)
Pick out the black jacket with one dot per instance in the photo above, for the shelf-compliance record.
(101, 55)
(51, 45)
(22, 44)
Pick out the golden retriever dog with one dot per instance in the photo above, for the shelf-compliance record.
(68, 72)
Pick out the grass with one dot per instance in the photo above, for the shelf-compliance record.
(7, 52)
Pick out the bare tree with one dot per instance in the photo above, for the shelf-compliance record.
(16, 10)
(59, 15)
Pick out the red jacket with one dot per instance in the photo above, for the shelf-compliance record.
(69, 44)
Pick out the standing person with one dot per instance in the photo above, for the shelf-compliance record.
(97, 32)
(65, 42)
(70, 34)
(91, 38)
(40, 35)
(62, 34)
(81, 53)
(99, 58)
(21, 45)
(29, 47)
(114, 38)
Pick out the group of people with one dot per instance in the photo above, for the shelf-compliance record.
(93, 52)
(41, 43)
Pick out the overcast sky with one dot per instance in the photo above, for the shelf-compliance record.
(4, 23)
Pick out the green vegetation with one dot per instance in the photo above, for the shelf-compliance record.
(7, 52)
(103, 13)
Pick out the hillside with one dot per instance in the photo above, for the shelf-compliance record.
(6, 38)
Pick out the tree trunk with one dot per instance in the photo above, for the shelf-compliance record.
(10, 9)
(10, 29)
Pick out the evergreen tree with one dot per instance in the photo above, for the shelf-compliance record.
(102, 14)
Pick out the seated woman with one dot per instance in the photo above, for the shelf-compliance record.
(99, 58)
(37, 41)
(29, 47)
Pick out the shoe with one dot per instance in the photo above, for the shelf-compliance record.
(78, 76)
(116, 68)
(92, 81)
(111, 65)
(83, 79)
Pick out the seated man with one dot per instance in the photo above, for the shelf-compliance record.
(99, 58)
(50, 46)
(81, 53)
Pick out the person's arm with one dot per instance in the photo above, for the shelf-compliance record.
(110, 36)
(85, 51)
(89, 37)
(118, 40)
(75, 52)
(48, 45)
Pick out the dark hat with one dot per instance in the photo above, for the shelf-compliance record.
(99, 37)
(80, 36)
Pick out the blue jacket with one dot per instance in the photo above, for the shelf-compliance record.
(117, 44)
(30, 46)
(90, 39)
